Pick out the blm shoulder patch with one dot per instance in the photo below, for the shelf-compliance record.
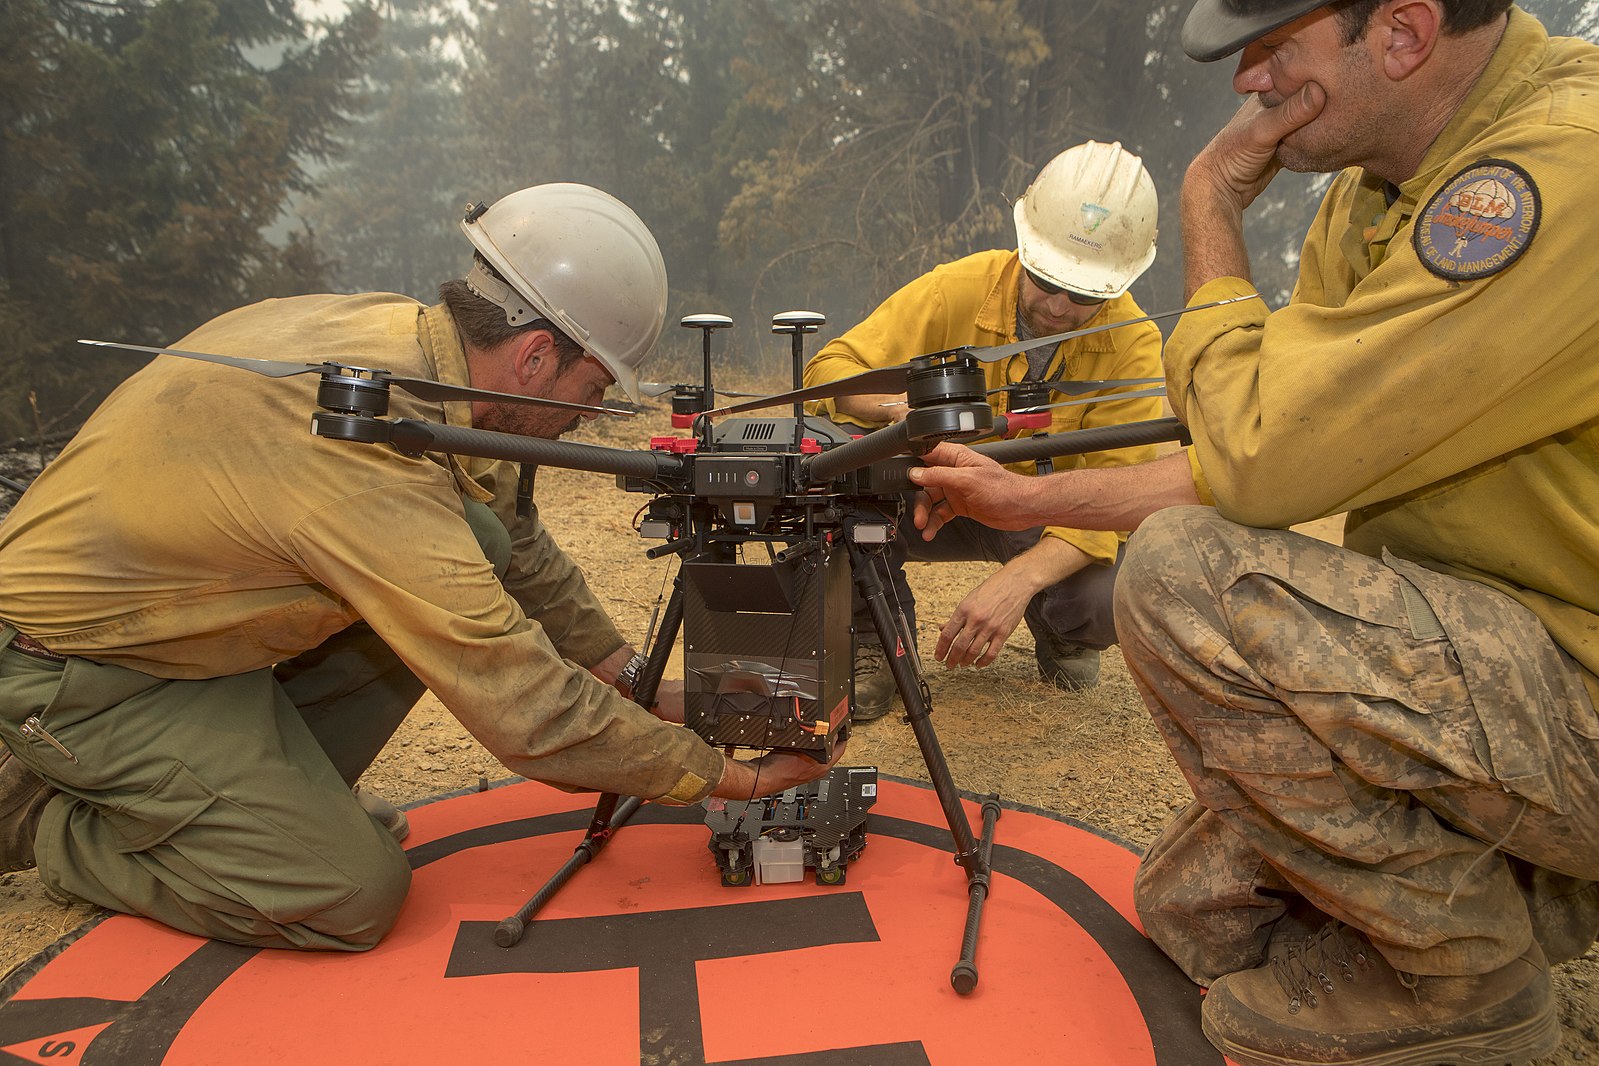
(1479, 223)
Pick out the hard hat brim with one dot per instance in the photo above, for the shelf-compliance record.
(1215, 29)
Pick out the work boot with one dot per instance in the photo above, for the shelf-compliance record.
(875, 690)
(387, 814)
(23, 795)
(1066, 665)
(1333, 998)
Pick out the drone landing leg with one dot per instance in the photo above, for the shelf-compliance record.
(609, 814)
(971, 854)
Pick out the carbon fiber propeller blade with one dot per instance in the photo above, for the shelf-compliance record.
(437, 392)
(421, 388)
(893, 378)
(1093, 399)
(1076, 388)
(256, 366)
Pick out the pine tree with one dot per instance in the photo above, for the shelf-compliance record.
(144, 147)
(388, 209)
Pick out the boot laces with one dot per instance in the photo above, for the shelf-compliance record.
(1305, 966)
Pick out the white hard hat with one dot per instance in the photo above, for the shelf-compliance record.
(580, 258)
(1087, 222)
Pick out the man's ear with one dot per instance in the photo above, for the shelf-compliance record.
(534, 355)
(1410, 30)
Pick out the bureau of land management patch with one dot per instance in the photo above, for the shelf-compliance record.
(1479, 222)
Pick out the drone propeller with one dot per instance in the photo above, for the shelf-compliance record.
(421, 388)
(1077, 388)
(893, 378)
(1139, 394)
(257, 366)
(660, 388)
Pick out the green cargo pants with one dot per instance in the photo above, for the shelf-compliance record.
(222, 807)
(1408, 752)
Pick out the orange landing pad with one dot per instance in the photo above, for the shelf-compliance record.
(645, 957)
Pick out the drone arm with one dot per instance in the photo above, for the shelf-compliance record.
(883, 444)
(414, 437)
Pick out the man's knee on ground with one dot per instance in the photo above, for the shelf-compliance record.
(360, 921)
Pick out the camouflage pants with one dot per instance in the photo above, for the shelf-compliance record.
(1405, 751)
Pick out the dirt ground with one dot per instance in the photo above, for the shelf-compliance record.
(1092, 756)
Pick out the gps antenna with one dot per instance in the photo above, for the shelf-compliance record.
(707, 324)
(796, 324)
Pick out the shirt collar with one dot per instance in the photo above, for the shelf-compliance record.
(445, 360)
(1520, 51)
(997, 314)
(445, 357)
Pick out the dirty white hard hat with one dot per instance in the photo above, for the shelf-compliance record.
(580, 258)
(1087, 222)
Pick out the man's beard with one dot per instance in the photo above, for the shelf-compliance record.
(526, 420)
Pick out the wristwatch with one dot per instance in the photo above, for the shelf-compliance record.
(627, 677)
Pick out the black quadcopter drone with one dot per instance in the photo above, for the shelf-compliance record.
(776, 520)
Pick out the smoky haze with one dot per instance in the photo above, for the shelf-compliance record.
(788, 154)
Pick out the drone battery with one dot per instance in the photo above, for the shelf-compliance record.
(777, 862)
(766, 652)
(742, 477)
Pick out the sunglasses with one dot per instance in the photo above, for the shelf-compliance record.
(1049, 288)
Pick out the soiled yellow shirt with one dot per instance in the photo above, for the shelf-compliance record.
(972, 301)
(195, 528)
(1456, 420)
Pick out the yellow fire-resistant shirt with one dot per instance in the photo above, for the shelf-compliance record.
(972, 301)
(195, 528)
(1436, 373)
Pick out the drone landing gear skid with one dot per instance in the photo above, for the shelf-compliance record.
(972, 854)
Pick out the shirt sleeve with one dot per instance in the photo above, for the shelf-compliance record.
(913, 321)
(1312, 410)
(427, 590)
(546, 582)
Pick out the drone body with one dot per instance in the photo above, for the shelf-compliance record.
(767, 640)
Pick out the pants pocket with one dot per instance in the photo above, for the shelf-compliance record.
(173, 802)
(202, 837)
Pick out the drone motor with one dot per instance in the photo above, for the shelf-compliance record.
(353, 399)
(948, 398)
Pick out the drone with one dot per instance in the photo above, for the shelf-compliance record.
(775, 521)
